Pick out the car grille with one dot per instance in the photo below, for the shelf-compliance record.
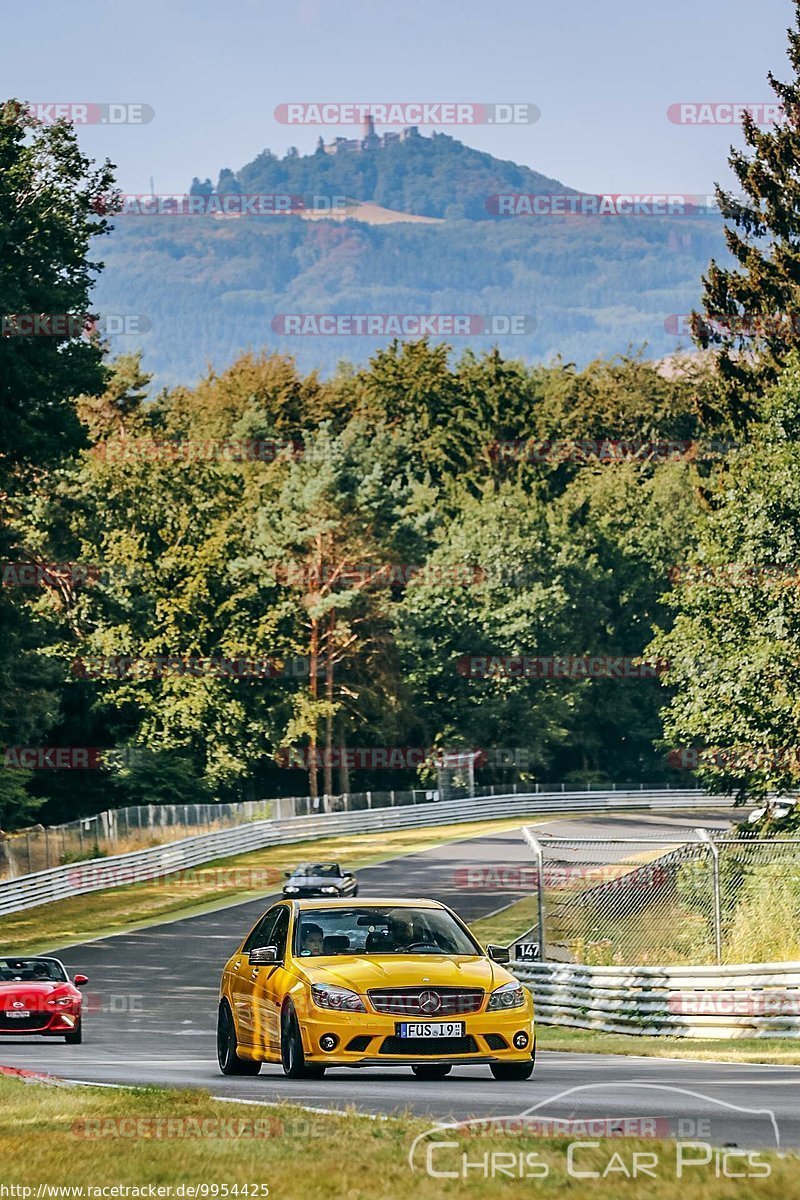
(424, 1047)
(409, 1002)
(37, 1020)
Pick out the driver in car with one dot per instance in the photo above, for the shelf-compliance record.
(311, 944)
(401, 930)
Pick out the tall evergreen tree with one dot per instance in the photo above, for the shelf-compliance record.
(752, 311)
(48, 217)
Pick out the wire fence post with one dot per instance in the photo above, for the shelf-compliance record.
(705, 837)
(536, 847)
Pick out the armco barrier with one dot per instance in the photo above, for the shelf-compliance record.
(751, 1000)
(95, 875)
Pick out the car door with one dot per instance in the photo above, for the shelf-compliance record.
(270, 984)
(243, 978)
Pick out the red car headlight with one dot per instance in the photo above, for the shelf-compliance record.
(60, 1002)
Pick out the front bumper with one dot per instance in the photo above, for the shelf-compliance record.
(370, 1039)
(52, 1024)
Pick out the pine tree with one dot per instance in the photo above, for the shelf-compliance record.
(752, 313)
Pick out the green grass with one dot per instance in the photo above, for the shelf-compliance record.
(114, 910)
(509, 923)
(784, 1051)
(174, 1138)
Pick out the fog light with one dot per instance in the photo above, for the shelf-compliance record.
(328, 1042)
(521, 1039)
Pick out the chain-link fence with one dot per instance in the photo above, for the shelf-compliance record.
(119, 831)
(625, 901)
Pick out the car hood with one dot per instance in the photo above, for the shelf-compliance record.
(34, 988)
(362, 972)
(32, 992)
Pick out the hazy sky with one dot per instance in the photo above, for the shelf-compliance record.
(602, 74)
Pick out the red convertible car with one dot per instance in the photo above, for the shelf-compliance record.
(36, 996)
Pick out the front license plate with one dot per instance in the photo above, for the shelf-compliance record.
(21, 1012)
(430, 1029)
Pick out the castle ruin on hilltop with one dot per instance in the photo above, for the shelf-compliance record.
(370, 140)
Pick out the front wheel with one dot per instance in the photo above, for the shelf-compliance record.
(432, 1070)
(510, 1071)
(227, 1047)
(75, 1036)
(293, 1059)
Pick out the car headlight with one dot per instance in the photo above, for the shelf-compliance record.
(60, 1002)
(339, 998)
(289, 887)
(329, 890)
(510, 995)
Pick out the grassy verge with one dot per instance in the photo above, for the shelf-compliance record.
(142, 1137)
(785, 1051)
(215, 885)
(509, 923)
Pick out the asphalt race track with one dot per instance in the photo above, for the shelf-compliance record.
(153, 996)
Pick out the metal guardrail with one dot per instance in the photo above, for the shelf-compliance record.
(749, 1000)
(140, 827)
(58, 883)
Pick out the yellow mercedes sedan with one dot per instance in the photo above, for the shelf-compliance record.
(373, 983)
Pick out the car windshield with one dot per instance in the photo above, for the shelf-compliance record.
(48, 970)
(345, 931)
(326, 870)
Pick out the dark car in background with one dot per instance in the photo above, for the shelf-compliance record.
(319, 879)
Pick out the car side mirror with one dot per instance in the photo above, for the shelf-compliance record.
(79, 980)
(263, 956)
(499, 954)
